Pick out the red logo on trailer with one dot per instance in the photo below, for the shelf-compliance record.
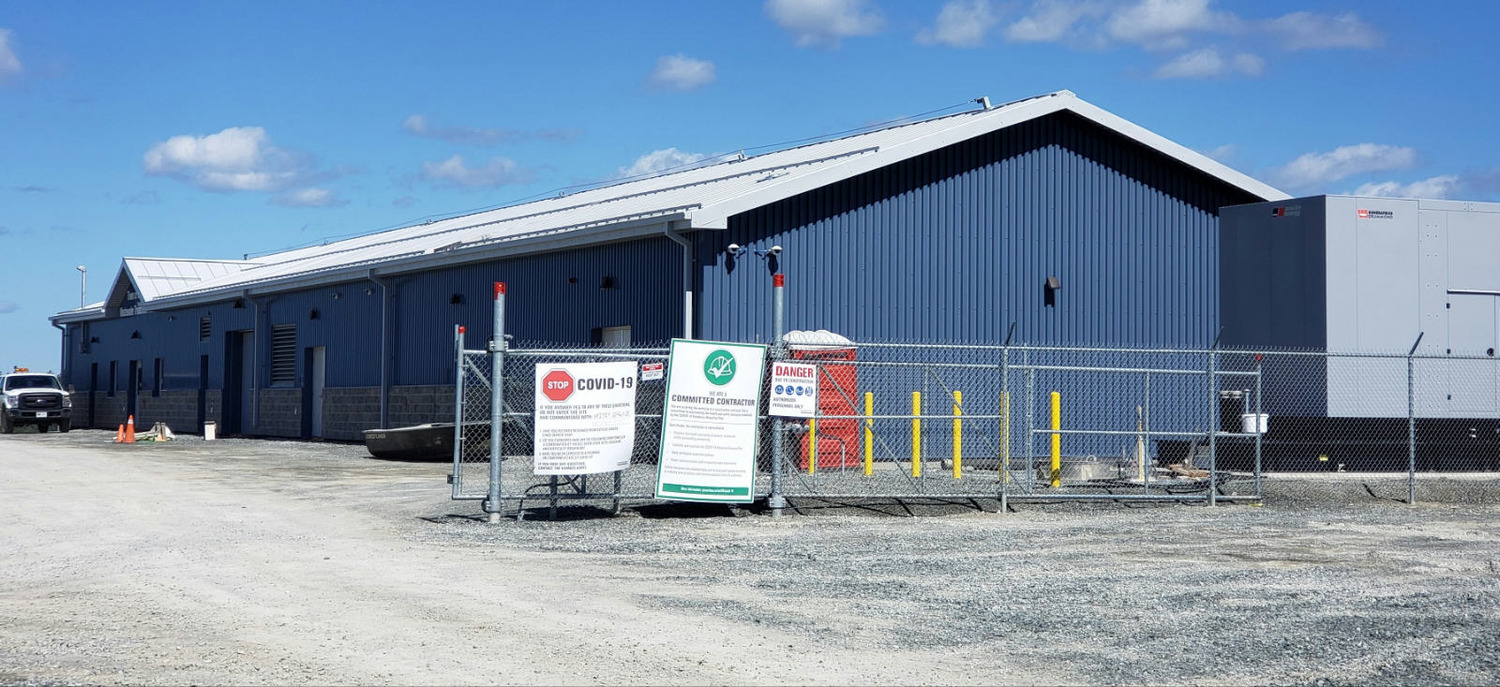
(557, 385)
(1364, 214)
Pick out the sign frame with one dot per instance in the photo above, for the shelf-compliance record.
(677, 369)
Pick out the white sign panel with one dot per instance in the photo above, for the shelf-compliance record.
(709, 428)
(585, 418)
(794, 390)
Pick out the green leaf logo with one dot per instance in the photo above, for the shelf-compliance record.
(719, 367)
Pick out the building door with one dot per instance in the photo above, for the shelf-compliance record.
(238, 361)
(202, 392)
(93, 387)
(315, 363)
(132, 387)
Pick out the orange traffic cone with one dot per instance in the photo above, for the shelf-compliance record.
(130, 430)
(120, 435)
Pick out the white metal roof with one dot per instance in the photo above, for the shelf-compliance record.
(158, 277)
(698, 198)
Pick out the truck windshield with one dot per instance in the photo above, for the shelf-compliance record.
(14, 382)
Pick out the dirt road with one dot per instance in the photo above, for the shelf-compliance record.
(282, 562)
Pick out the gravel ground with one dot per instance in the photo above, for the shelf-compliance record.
(286, 562)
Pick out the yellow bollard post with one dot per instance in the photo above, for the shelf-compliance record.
(916, 434)
(1005, 435)
(958, 435)
(1056, 440)
(869, 433)
(812, 447)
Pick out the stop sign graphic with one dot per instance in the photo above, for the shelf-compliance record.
(558, 385)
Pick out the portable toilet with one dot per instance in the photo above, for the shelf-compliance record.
(838, 394)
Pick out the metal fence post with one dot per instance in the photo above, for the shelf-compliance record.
(1259, 409)
(778, 316)
(497, 402)
(1411, 423)
(1213, 434)
(458, 412)
(1004, 427)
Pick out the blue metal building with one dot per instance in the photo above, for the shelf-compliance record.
(1050, 213)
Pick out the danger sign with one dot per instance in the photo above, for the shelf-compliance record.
(794, 390)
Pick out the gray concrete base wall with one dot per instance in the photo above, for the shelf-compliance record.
(349, 411)
(179, 409)
(280, 413)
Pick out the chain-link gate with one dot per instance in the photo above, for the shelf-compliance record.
(1028, 423)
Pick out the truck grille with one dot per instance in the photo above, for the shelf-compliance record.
(41, 401)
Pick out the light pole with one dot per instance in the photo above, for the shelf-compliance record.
(83, 288)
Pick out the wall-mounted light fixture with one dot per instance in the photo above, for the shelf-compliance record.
(135, 334)
(337, 295)
(313, 314)
(1049, 293)
(607, 282)
(239, 304)
(456, 299)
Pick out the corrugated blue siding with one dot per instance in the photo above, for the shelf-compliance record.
(542, 304)
(955, 245)
(553, 298)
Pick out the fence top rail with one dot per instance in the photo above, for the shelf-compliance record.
(1221, 352)
(652, 353)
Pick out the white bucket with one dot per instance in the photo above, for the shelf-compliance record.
(210, 430)
(1254, 423)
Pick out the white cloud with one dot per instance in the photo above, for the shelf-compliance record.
(309, 198)
(499, 171)
(1051, 20)
(420, 126)
(961, 24)
(1208, 63)
(1222, 153)
(1436, 187)
(1314, 169)
(1163, 24)
(658, 161)
(681, 73)
(822, 23)
(1310, 31)
(7, 307)
(10, 65)
(235, 159)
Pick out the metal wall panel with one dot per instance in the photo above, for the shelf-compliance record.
(956, 245)
(544, 305)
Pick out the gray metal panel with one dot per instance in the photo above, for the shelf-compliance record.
(1474, 251)
(1272, 275)
(1472, 331)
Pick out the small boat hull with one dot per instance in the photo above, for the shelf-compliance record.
(419, 442)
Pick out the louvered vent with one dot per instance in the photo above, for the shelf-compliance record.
(284, 354)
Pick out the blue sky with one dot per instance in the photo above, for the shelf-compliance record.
(216, 129)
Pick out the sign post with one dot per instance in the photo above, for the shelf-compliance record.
(710, 425)
(585, 418)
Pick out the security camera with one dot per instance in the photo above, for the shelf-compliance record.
(775, 250)
(733, 249)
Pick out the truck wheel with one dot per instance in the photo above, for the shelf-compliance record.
(64, 426)
(5, 426)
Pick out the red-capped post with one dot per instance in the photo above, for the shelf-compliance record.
(497, 402)
(776, 501)
(458, 410)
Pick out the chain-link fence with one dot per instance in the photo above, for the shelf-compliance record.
(1036, 423)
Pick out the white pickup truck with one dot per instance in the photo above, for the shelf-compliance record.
(33, 398)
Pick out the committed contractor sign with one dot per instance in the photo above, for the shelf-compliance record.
(709, 429)
(585, 418)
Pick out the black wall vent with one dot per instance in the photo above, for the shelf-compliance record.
(205, 329)
(284, 354)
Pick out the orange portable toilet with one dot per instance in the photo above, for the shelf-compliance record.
(838, 394)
